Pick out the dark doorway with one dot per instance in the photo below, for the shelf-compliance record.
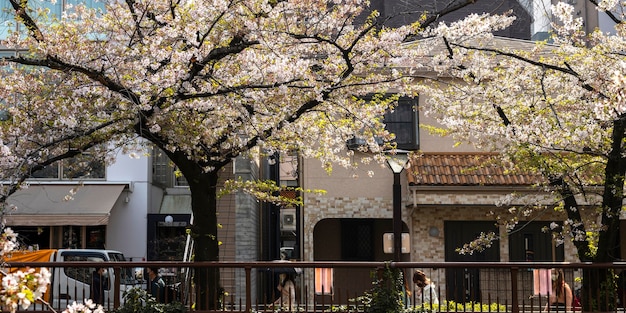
(463, 284)
(357, 236)
(167, 236)
(528, 242)
(33, 237)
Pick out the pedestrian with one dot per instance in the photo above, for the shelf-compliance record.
(561, 296)
(287, 288)
(426, 291)
(99, 283)
(157, 286)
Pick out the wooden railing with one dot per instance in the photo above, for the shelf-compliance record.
(332, 286)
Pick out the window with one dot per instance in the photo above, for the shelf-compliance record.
(83, 166)
(80, 167)
(54, 9)
(164, 172)
(33, 237)
(7, 21)
(323, 281)
(96, 237)
(403, 121)
(81, 274)
(72, 237)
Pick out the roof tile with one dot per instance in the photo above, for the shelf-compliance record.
(464, 169)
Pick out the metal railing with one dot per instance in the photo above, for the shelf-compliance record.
(330, 286)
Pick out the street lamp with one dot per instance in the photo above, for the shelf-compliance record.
(397, 160)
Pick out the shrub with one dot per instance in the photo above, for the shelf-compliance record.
(137, 300)
(386, 294)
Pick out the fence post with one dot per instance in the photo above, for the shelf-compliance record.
(118, 284)
(514, 300)
(248, 290)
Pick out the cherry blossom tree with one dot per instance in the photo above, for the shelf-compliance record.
(205, 81)
(556, 110)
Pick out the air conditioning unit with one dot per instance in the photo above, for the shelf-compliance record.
(355, 143)
(288, 220)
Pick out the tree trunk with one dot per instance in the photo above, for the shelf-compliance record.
(203, 187)
(204, 206)
(599, 289)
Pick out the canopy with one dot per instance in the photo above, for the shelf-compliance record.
(176, 204)
(57, 205)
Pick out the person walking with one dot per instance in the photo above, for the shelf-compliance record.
(157, 286)
(426, 293)
(287, 289)
(99, 283)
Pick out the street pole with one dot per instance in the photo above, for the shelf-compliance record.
(397, 218)
(397, 161)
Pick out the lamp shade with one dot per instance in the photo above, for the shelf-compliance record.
(397, 160)
(169, 219)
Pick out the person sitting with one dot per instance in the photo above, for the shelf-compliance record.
(287, 289)
(561, 297)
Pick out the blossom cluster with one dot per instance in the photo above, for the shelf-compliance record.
(23, 288)
(8, 241)
(482, 242)
(87, 307)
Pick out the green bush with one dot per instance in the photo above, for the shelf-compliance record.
(451, 306)
(386, 294)
(137, 300)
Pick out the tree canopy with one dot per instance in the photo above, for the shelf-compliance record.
(205, 81)
(555, 108)
(209, 82)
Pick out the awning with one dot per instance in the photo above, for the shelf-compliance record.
(55, 205)
(176, 204)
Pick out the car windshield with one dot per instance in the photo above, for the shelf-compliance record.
(117, 257)
(127, 274)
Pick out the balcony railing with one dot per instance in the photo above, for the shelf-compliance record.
(333, 286)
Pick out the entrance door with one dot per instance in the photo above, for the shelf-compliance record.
(463, 284)
(528, 242)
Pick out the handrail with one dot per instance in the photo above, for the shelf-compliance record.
(318, 264)
(514, 271)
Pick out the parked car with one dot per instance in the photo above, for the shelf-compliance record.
(69, 284)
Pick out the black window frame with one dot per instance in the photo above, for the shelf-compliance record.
(405, 105)
(407, 140)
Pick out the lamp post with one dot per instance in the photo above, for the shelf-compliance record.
(397, 161)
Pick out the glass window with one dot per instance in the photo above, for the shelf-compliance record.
(83, 166)
(7, 21)
(71, 237)
(50, 8)
(51, 171)
(33, 237)
(92, 4)
(96, 236)
(164, 172)
(403, 122)
(161, 168)
(81, 274)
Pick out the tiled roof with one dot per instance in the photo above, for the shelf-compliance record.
(463, 169)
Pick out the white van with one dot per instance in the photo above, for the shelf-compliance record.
(69, 284)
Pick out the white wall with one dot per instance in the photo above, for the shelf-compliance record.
(127, 228)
